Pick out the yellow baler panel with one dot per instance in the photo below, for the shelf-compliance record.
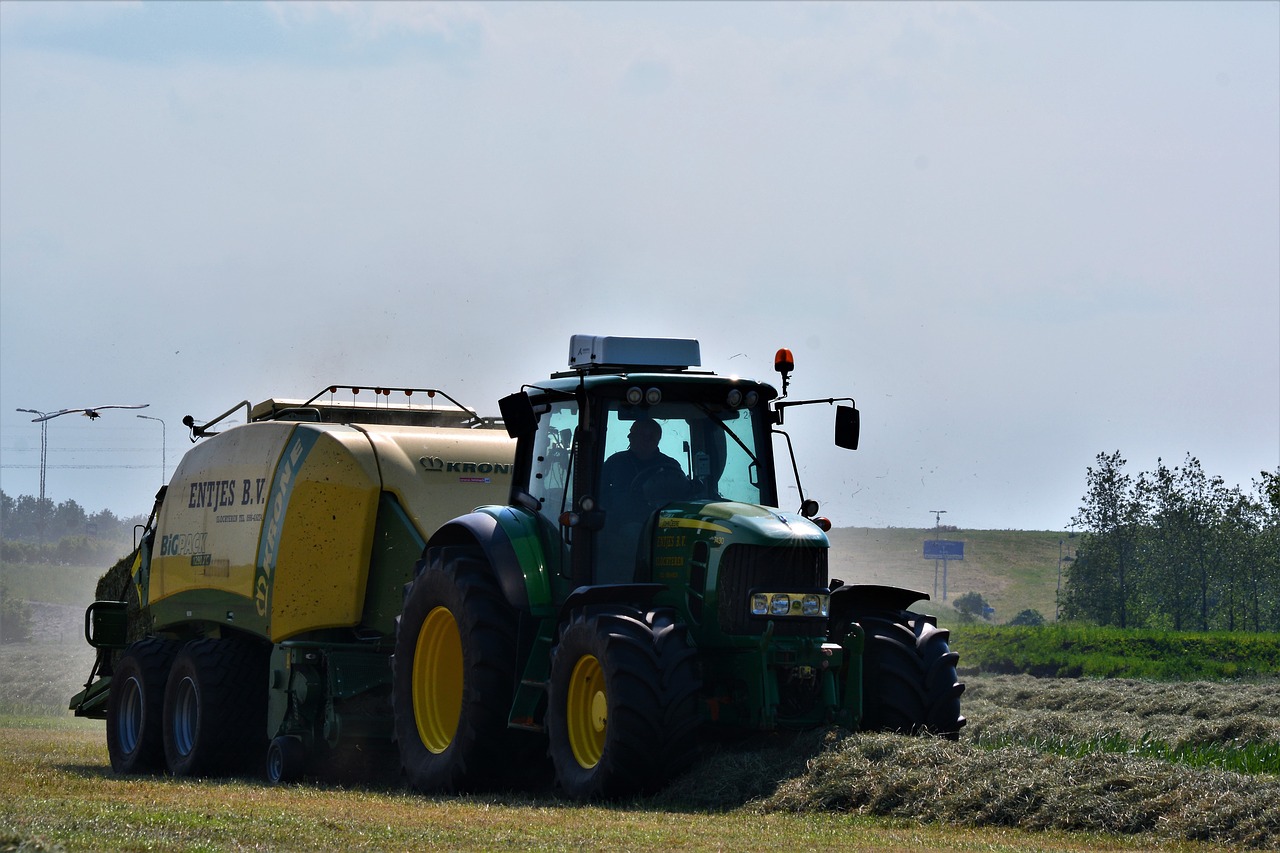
(321, 567)
(440, 474)
(207, 537)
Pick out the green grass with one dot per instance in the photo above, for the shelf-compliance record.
(1233, 757)
(1072, 651)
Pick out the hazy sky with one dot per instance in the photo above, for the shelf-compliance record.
(1018, 234)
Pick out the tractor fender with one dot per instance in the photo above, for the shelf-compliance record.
(638, 595)
(864, 596)
(504, 541)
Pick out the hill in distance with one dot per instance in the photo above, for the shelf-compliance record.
(1012, 569)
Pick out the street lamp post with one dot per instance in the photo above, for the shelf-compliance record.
(44, 444)
(164, 448)
(92, 413)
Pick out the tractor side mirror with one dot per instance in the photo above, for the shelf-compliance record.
(518, 415)
(848, 425)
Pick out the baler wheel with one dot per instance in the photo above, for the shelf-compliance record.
(453, 675)
(215, 707)
(608, 712)
(286, 760)
(135, 710)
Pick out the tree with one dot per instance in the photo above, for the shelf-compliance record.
(1176, 549)
(1099, 585)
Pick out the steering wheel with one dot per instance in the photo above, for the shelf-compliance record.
(660, 484)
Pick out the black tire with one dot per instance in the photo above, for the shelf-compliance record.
(453, 676)
(135, 709)
(622, 709)
(286, 760)
(215, 708)
(681, 686)
(909, 675)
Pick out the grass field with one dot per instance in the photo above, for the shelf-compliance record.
(56, 792)
(1045, 764)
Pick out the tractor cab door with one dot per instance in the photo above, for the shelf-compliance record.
(551, 476)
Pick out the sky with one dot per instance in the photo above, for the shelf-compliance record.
(1018, 234)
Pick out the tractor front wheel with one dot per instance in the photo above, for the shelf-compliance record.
(607, 707)
(909, 675)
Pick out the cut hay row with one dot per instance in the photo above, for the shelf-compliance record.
(963, 784)
(1038, 754)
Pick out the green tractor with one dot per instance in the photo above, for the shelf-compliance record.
(641, 586)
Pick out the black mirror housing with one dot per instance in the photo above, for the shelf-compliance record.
(518, 415)
(848, 425)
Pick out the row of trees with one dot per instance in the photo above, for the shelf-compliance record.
(1175, 549)
(35, 530)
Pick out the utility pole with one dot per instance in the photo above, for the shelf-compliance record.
(937, 534)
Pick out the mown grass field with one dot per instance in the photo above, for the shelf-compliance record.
(1044, 764)
(820, 791)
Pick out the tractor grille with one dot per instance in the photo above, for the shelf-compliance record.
(776, 569)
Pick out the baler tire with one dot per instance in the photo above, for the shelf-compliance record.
(453, 675)
(135, 709)
(286, 760)
(909, 675)
(605, 710)
(215, 705)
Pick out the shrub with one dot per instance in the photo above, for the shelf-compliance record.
(1030, 618)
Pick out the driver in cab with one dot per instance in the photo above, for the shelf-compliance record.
(638, 479)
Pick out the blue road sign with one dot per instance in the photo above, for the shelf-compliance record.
(943, 549)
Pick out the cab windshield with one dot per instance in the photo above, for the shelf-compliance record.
(680, 451)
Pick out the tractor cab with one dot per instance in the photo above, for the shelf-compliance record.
(632, 429)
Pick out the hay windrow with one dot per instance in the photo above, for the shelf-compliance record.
(960, 783)
(1037, 755)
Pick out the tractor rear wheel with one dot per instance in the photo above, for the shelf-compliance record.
(135, 710)
(215, 706)
(453, 675)
(909, 675)
(622, 708)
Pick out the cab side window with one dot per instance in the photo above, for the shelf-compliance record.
(551, 480)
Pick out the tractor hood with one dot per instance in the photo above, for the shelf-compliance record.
(730, 522)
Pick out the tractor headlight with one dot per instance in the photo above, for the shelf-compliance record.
(791, 604)
(814, 605)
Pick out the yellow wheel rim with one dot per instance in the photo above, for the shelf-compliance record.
(587, 712)
(437, 680)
